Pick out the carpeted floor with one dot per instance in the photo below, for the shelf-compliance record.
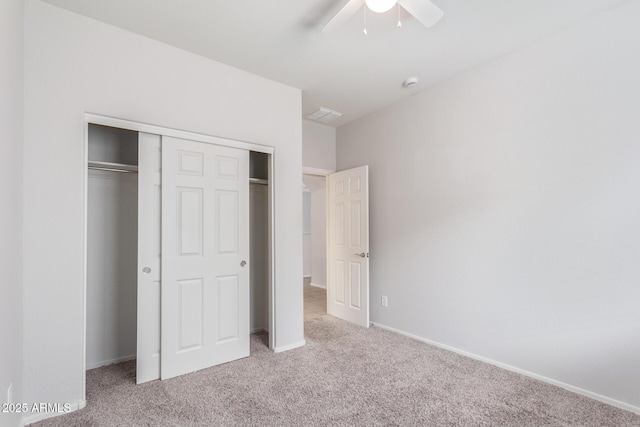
(315, 300)
(344, 376)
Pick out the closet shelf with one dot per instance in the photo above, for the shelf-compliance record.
(113, 167)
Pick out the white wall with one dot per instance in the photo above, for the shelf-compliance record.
(505, 206)
(11, 136)
(318, 145)
(75, 65)
(318, 219)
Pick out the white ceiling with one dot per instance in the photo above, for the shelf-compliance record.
(344, 70)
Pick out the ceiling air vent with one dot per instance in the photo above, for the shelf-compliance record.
(324, 115)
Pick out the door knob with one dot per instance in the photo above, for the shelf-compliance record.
(146, 270)
(243, 263)
(361, 255)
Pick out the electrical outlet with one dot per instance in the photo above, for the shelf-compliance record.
(10, 394)
(385, 301)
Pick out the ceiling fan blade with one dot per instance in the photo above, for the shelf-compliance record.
(343, 15)
(423, 10)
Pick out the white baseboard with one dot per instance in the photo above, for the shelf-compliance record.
(256, 330)
(290, 346)
(318, 286)
(110, 361)
(306, 277)
(34, 418)
(574, 389)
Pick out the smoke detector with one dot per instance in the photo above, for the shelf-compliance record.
(324, 115)
(410, 82)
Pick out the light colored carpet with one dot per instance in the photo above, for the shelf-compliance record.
(315, 300)
(345, 376)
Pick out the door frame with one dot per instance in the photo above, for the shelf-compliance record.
(324, 173)
(96, 119)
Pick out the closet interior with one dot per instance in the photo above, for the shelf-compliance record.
(259, 241)
(112, 244)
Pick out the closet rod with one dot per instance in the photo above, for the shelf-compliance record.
(258, 181)
(111, 170)
(113, 167)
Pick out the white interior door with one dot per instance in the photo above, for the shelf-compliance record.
(348, 281)
(205, 249)
(149, 250)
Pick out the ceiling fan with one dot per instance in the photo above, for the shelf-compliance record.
(427, 13)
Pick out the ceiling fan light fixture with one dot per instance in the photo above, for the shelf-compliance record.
(380, 6)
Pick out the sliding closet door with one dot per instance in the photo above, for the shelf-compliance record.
(205, 249)
(149, 247)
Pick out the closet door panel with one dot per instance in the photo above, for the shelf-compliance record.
(205, 249)
(228, 293)
(189, 212)
(149, 256)
(227, 222)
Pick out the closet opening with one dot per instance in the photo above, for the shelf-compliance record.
(259, 244)
(124, 221)
(112, 246)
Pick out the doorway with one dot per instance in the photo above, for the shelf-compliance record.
(346, 238)
(112, 235)
(314, 246)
